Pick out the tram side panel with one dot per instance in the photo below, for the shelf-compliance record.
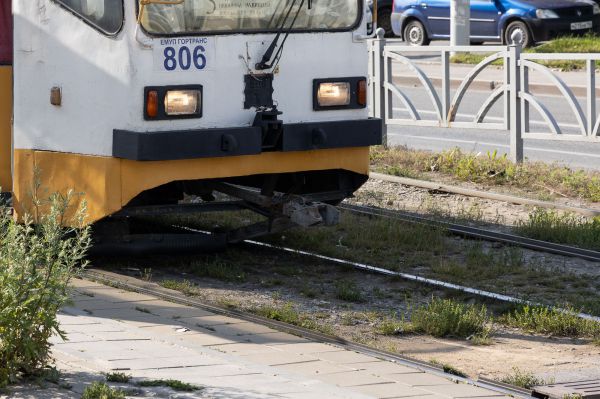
(100, 81)
(6, 97)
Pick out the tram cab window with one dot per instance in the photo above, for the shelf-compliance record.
(6, 52)
(202, 16)
(105, 15)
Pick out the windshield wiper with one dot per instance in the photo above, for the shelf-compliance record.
(264, 62)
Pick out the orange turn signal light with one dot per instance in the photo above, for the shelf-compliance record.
(361, 93)
(152, 104)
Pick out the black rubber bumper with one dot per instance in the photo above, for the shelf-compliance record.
(548, 29)
(209, 143)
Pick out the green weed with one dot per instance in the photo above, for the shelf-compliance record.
(99, 390)
(523, 379)
(184, 286)
(219, 269)
(348, 291)
(448, 318)
(38, 258)
(491, 169)
(117, 377)
(550, 225)
(449, 369)
(547, 320)
(287, 314)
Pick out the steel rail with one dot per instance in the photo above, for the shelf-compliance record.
(119, 281)
(478, 233)
(420, 279)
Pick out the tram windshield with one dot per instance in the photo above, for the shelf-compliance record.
(214, 16)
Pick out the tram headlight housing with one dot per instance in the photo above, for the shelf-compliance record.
(182, 102)
(339, 93)
(333, 94)
(173, 102)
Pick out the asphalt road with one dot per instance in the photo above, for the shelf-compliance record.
(575, 154)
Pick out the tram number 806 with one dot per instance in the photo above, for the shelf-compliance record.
(184, 58)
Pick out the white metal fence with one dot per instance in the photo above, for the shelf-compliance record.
(514, 90)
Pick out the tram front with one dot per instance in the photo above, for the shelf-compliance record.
(140, 101)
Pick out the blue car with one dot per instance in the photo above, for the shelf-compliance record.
(420, 21)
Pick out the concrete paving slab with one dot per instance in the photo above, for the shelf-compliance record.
(353, 378)
(393, 390)
(381, 367)
(308, 347)
(241, 329)
(319, 367)
(344, 357)
(459, 391)
(275, 338)
(210, 320)
(279, 358)
(231, 357)
(246, 348)
(420, 379)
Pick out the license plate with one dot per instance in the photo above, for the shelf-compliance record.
(581, 25)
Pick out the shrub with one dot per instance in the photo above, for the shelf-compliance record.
(448, 318)
(37, 261)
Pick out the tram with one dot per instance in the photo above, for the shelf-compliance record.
(139, 102)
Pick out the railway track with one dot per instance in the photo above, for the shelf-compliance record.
(130, 284)
(477, 232)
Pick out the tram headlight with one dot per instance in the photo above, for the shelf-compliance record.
(172, 102)
(333, 94)
(339, 93)
(182, 102)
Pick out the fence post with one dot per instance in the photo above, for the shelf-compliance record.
(445, 87)
(379, 84)
(516, 134)
(591, 97)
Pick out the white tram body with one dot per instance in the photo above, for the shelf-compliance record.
(114, 104)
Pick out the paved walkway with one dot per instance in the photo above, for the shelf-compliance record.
(115, 330)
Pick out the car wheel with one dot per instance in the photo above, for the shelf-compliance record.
(384, 20)
(516, 27)
(415, 34)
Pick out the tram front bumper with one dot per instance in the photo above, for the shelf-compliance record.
(223, 142)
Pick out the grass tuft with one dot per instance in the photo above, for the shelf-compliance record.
(287, 314)
(547, 320)
(523, 379)
(218, 269)
(490, 169)
(567, 44)
(184, 286)
(348, 291)
(448, 318)
(117, 377)
(449, 369)
(549, 225)
(99, 390)
(173, 384)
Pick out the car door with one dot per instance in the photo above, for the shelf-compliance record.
(437, 13)
(485, 15)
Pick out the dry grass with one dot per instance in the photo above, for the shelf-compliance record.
(491, 169)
